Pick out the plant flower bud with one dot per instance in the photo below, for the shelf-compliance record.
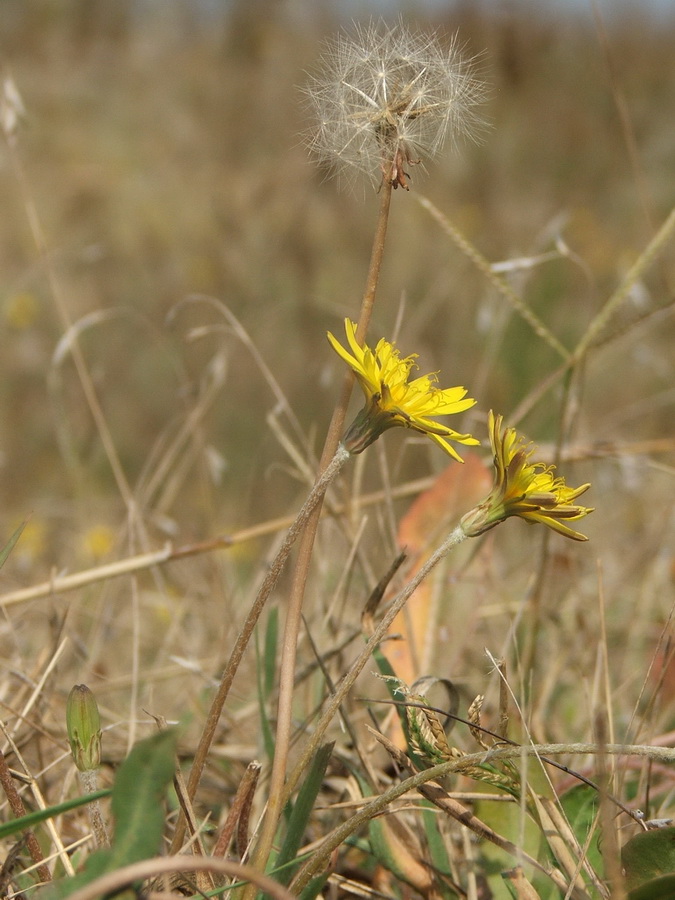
(84, 728)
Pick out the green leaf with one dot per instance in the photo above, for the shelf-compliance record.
(271, 643)
(138, 811)
(301, 812)
(7, 829)
(389, 676)
(140, 787)
(657, 889)
(438, 849)
(266, 669)
(580, 805)
(315, 886)
(9, 546)
(648, 856)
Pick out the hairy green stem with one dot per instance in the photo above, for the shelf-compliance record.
(89, 782)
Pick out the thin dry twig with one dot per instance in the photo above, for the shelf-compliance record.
(61, 584)
(17, 807)
(500, 284)
(154, 868)
(238, 816)
(41, 804)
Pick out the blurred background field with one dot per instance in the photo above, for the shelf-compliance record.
(162, 149)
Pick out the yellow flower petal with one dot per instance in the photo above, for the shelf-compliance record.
(392, 399)
(526, 489)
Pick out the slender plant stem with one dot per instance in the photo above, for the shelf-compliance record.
(313, 500)
(60, 584)
(637, 270)
(88, 389)
(73, 344)
(541, 582)
(89, 782)
(19, 810)
(500, 284)
(112, 882)
(294, 613)
(571, 372)
(456, 537)
(379, 804)
(433, 792)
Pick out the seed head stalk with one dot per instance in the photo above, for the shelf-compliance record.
(292, 625)
(383, 100)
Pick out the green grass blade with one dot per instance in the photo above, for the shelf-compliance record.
(9, 546)
(315, 886)
(7, 829)
(301, 812)
(390, 683)
(266, 668)
(271, 644)
(438, 850)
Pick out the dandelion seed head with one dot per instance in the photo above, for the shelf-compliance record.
(386, 98)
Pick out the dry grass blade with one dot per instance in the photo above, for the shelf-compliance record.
(19, 810)
(639, 267)
(171, 268)
(156, 868)
(240, 811)
(502, 286)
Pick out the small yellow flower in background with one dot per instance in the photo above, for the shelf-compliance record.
(21, 310)
(33, 543)
(391, 399)
(98, 541)
(526, 489)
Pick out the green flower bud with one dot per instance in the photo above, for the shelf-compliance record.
(84, 728)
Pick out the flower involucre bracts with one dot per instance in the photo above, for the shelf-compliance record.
(392, 399)
(526, 489)
(388, 97)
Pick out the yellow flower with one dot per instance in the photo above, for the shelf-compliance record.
(391, 399)
(523, 488)
(21, 311)
(98, 541)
